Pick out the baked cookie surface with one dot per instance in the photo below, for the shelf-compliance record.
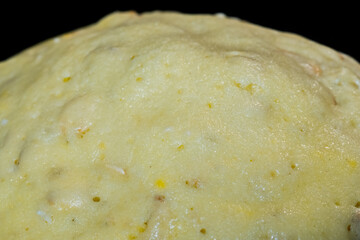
(172, 126)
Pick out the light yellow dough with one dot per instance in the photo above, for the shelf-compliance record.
(172, 126)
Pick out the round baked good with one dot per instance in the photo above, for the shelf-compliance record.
(172, 126)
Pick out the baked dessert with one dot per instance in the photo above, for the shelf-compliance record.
(173, 126)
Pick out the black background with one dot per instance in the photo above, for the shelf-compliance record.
(332, 24)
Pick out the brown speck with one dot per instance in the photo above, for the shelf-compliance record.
(81, 132)
(203, 230)
(50, 199)
(337, 203)
(132, 57)
(349, 228)
(96, 199)
(238, 85)
(195, 183)
(27, 229)
(312, 68)
(73, 220)
(273, 174)
(66, 79)
(357, 205)
(341, 56)
(293, 166)
(17, 162)
(316, 69)
(55, 172)
(251, 88)
(160, 198)
(144, 226)
(181, 147)
(68, 35)
(192, 209)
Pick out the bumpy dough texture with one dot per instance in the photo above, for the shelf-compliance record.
(174, 126)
